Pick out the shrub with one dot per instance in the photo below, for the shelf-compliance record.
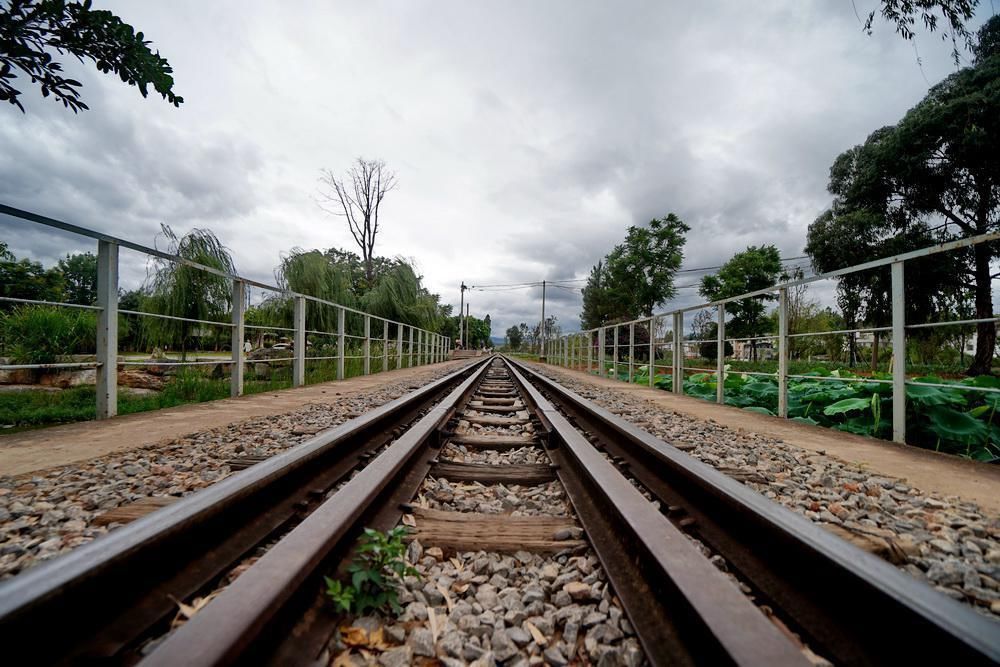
(42, 334)
(376, 574)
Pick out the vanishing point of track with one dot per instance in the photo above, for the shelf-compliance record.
(810, 592)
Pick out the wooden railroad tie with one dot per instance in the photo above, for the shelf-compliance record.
(492, 441)
(513, 473)
(497, 421)
(472, 531)
(497, 409)
(132, 511)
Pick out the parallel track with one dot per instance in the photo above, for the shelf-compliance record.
(105, 599)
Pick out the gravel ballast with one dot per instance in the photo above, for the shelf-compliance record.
(50, 512)
(948, 543)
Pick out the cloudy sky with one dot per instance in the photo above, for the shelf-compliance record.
(526, 137)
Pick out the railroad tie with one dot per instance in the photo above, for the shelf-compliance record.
(497, 442)
(496, 421)
(511, 473)
(472, 531)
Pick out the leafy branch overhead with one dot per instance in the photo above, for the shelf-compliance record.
(33, 33)
(904, 14)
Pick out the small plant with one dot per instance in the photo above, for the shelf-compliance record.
(376, 573)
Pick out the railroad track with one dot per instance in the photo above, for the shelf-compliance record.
(793, 594)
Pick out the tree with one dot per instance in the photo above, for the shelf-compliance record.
(748, 271)
(514, 338)
(905, 13)
(936, 172)
(358, 201)
(25, 279)
(636, 275)
(80, 278)
(34, 32)
(183, 291)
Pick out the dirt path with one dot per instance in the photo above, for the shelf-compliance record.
(930, 471)
(28, 451)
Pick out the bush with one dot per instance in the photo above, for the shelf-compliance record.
(43, 334)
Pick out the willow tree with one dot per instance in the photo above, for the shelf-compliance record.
(178, 290)
(313, 273)
(400, 295)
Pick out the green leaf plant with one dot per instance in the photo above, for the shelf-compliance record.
(376, 573)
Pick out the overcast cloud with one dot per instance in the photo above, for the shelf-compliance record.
(526, 136)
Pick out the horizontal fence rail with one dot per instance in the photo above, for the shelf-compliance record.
(411, 346)
(583, 349)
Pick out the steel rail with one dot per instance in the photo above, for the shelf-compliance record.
(849, 605)
(230, 628)
(103, 595)
(684, 610)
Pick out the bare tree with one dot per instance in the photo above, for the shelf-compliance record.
(358, 198)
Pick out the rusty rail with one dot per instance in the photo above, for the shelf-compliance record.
(847, 604)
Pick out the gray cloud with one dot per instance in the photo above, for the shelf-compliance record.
(527, 137)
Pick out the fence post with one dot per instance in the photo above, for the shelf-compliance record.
(410, 364)
(615, 352)
(590, 352)
(631, 352)
(236, 375)
(299, 342)
(783, 352)
(898, 354)
(720, 355)
(652, 352)
(107, 329)
(341, 339)
(385, 345)
(399, 345)
(601, 340)
(678, 366)
(368, 345)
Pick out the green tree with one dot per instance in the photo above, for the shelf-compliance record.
(183, 291)
(636, 275)
(25, 279)
(748, 271)
(514, 338)
(936, 173)
(80, 278)
(33, 33)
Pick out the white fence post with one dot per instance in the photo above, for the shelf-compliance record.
(107, 329)
(783, 352)
(410, 364)
(615, 352)
(898, 354)
(385, 345)
(368, 345)
(601, 340)
(652, 351)
(720, 355)
(341, 341)
(236, 375)
(631, 352)
(299, 342)
(590, 352)
(399, 345)
(678, 367)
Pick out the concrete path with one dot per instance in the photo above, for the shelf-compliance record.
(925, 469)
(28, 451)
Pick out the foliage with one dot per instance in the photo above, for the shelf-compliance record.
(636, 275)
(748, 271)
(35, 334)
(375, 574)
(31, 31)
(80, 278)
(179, 290)
(932, 177)
(905, 13)
(514, 338)
(953, 419)
(25, 279)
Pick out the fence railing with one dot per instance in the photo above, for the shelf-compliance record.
(582, 349)
(411, 346)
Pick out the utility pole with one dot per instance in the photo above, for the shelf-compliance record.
(541, 329)
(461, 317)
(468, 345)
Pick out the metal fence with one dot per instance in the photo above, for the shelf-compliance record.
(664, 336)
(411, 346)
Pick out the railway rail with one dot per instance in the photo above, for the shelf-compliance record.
(811, 595)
